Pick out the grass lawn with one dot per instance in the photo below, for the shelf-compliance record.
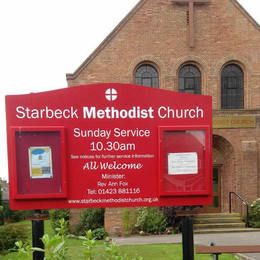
(155, 251)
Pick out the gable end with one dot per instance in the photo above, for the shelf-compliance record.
(105, 41)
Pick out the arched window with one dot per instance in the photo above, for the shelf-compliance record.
(190, 79)
(147, 75)
(232, 87)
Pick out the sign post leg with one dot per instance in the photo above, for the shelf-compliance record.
(187, 239)
(37, 234)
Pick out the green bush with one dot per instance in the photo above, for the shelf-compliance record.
(254, 214)
(109, 251)
(99, 233)
(1, 215)
(90, 219)
(129, 220)
(55, 247)
(151, 220)
(11, 233)
(56, 216)
(14, 215)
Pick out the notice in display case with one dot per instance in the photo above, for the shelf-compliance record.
(182, 163)
(40, 162)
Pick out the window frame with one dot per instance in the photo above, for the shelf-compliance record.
(197, 79)
(232, 95)
(147, 67)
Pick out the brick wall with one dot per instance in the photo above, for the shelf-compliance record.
(158, 31)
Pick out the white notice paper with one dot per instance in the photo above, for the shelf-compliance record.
(40, 162)
(182, 163)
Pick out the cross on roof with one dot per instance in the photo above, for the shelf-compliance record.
(191, 16)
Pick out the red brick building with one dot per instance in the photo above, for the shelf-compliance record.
(209, 47)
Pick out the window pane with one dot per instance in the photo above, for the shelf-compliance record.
(147, 82)
(232, 87)
(190, 79)
(147, 75)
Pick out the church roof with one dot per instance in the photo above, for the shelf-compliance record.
(245, 13)
(103, 44)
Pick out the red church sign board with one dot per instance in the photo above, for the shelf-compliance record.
(109, 145)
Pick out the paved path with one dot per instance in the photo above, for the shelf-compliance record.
(237, 238)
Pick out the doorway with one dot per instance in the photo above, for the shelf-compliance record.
(216, 189)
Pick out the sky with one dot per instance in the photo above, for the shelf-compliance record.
(42, 40)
